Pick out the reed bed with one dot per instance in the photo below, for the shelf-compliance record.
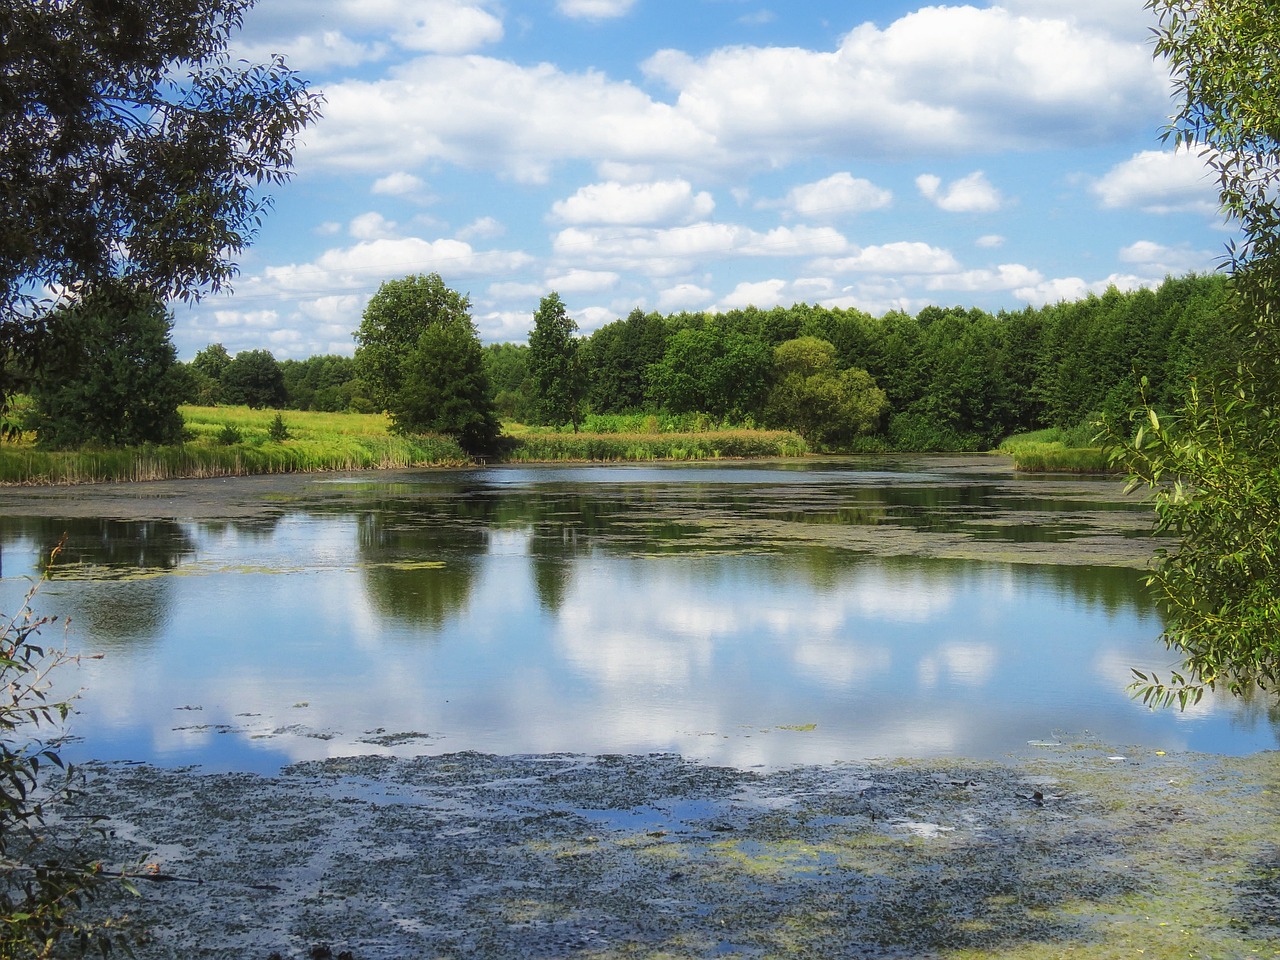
(1057, 451)
(536, 446)
(1051, 459)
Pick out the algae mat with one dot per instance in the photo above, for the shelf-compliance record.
(1078, 852)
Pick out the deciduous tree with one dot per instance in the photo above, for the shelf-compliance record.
(254, 378)
(111, 374)
(393, 322)
(420, 357)
(132, 147)
(1213, 465)
(553, 363)
(824, 405)
(445, 390)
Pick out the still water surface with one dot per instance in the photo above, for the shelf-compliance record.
(763, 614)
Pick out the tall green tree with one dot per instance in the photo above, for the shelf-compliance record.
(616, 360)
(392, 324)
(553, 364)
(254, 378)
(420, 358)
(507, 367)
(1214, 465)
(133, 146)
(205, 374)
(445, 389)
(111, 374)
(708, 371)
(822, 403)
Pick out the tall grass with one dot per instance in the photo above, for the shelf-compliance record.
(538, 446)
(1057, 450)
(317, 442)
(351, 441)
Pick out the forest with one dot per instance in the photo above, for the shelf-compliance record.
(952, 379)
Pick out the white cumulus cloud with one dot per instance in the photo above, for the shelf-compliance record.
(320, 34)
(902, 256)
(661, 202)
(371, 226)
(971, 194)
(939, 79)
(1007, 276)
(399, 184)
(675, 249)
(595, 9)
(1160, 181)
(838, 195)
(1162, 260)
(684, 296)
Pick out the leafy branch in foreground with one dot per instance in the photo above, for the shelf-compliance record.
(1214, 466)
(45, 875)
(1216, 485)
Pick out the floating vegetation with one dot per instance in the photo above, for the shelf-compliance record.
(612, 857)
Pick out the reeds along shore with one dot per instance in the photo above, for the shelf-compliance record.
(316, 442)
(237, 441)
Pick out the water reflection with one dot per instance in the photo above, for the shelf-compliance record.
(749, 621)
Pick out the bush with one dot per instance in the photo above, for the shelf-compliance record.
(230, 435)
(278, 432)
(45, 877)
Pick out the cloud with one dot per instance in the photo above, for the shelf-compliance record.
(684, 296)
(1121, 20)
(1075, 288)
(571, 282)
(358, 31)
(899, 257)
(1168, 261)
(583, 281)
(399, 184)
(838, 195)
(479, 112)
(503, 326)
(971, 194)
(1159, 181)
(939, 80)
(371, 226)
(990, 241)
(676, 249)
(661, 202)
(1007, 276)
(483, 228)
(595, 9)
(764, 294)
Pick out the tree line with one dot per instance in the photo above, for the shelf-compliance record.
(946, 379)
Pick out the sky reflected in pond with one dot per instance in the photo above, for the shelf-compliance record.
(747, 616)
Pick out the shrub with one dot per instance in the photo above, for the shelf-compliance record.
(278, 432)
(45, 877)
(230, 435)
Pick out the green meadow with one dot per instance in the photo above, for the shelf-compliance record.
(227, 441)
(235, 441)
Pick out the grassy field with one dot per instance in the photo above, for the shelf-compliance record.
(234, 441)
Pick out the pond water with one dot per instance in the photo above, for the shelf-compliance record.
(748, 614)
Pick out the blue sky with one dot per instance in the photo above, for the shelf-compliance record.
(710, 154)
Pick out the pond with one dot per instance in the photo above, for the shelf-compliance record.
(750, 614)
